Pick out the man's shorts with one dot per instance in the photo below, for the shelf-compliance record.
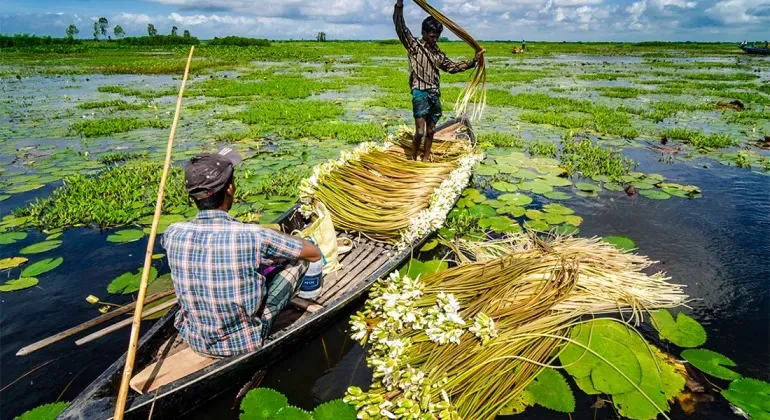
(426, 104)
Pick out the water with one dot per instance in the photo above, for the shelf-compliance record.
(717, 245)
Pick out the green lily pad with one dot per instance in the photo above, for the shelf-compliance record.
(486, 170)
(500, 224)
(473, 195)
(573, 220)
(554, 219)
(550, 390)
(684, 332)
(504, 186)
(481, 210)
(566, 230)
(12, 262)
(643, 185)
(515, 199)
(587, 194)
(751, 396)
(292, 413)
(53, 236)
(613, 186)
(44, 412)
(534, 214)
(262, 404)
(24, 188)
(495, 203)
(40, 247)
(431, 244)
(557, 195)
(711, 362)
(12, 237)
(128, 235)
(587, 187)
(4, 197)
(654, 194)
(12, 222)
(334, 410)
(514, 211)
(536, 225)
(557, 208)
(158, 256)
(129, 282)
(676, 192)
(624, 243)
(556, 181)
(526, 174)
(19, 284)
(164, 222)
(42, 266)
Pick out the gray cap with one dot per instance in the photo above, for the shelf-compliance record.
(207, 173)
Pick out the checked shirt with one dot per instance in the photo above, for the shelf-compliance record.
(224, 299)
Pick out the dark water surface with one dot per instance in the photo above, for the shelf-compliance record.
(717, 245)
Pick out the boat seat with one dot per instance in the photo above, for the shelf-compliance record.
(176, 366)
(305, 305)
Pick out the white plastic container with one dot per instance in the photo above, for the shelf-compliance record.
(312, 283)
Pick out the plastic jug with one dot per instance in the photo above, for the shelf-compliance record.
(312, 283)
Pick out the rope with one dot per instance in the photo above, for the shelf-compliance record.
(476, 90)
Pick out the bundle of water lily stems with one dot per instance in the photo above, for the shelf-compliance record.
(464, 342)
(476, 91)
(376, 191)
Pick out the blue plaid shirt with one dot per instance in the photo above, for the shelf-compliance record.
(215, 263)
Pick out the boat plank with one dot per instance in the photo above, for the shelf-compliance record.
(363, 276)
(168, 370)
(348, 262)
(374, 254)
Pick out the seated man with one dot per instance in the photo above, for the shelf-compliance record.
(226, 305)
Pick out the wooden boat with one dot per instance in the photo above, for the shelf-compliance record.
(170, 379)
(756, 50)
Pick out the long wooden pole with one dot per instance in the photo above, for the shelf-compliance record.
(88, 324)
(120, 404)
(124, 323)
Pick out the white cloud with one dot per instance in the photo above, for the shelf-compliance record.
(737, 12)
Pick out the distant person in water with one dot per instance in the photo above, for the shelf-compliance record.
(523, 45)
(226, 305)
(425, 61)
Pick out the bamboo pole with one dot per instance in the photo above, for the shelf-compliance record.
(126, 322)
(120, 404)
(86, 325)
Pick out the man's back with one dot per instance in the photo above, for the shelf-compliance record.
(215, 263)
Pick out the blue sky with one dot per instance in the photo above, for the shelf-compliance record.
(551, 20)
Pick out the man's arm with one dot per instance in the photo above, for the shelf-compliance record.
(452, 67)
(404, 34)
(280, 245)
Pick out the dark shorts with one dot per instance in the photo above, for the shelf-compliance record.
(426, 104)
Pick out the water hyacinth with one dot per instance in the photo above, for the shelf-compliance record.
(466, 341)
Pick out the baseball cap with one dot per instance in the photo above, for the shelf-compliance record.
(207, 173)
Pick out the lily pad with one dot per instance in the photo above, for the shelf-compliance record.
(536, 225)
(12, 237)
(534, 214)
(129, 282)
(587, 187)
(12, 262)
(573, 220)
(19, 284)
(481, 210)
(163, 223)
(556, 181)
(500, 224)
(654, 194)
(526, 174)
(515, 199)
(486, 170)
(44, 412)
(42, 266)
(566, 230)
(554, 219)
(128, 235)
(613, 186)
(40, 247)
(557, 208)
(431, 244)
(262, 404)
(684, 332)
(334, 410)
(557, 195)
(504, 186)
(624, 243)
(711, 362)
(751, 396)
(4, 197)
(24, 188)
(550, 390)
(587, 194)
(514, 211)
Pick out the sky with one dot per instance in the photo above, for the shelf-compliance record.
(533, 20)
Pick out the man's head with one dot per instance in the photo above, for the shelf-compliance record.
(209, 179)
(431, 30)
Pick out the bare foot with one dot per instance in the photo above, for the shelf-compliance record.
(427, 157)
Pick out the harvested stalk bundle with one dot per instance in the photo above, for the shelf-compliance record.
(444, 148)
(376, 191)
(476, 90)
(465, 342)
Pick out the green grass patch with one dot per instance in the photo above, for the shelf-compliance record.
(699, 139)
(498, 139)
(277, 86)
(118, 157)
(273, 114)
(606, 76)
(347, 131)
(117, 104)
(556, 119)
(541, 148)
(621, 92)
(107, 126)
(720, 76)
(144, 94)
(591, 159)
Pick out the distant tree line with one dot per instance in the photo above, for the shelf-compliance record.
(240, 41)
(26, 40)
(101, 26)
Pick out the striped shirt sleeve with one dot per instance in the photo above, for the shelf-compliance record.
(452, 67)
(278, 245)
(403, 32)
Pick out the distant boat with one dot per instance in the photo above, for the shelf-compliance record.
(755, 50)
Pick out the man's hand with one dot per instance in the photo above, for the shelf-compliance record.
(479, 54)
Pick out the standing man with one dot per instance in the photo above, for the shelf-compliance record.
(425, 61)
(226, 305)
